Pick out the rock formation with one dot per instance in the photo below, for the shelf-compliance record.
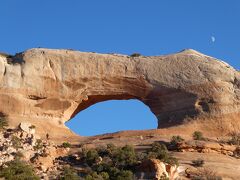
(27, 147)
(157, 170)
(48, 87)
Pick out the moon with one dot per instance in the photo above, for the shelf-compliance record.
(213, 39)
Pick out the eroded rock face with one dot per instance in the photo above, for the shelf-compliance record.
(157, 170)
(48, 87)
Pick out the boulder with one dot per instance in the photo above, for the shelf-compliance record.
(157, 170)
(27, 127)
(152, 169)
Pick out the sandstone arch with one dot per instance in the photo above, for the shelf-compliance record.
(48, 87)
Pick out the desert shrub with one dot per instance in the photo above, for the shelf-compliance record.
(104, 175)
(160, 152)
(32, 127)
(18, 170)
(91, 157)
(235, 139)
(113, 172)
(124, 175)
(103, 151)
(176, 139)
(111, 148)
(3, 122)
(96, 176)
(236, 152)
(89, 177)
(198, 135)
(66, 145)
(69, 174)
(142, 156)
(120, 157)
(38, 145)
(171, 160)
(198, 162)
(117, 174)
(16, 142)
(116, 162)
(120, 162)
(101, 167)
(135, 55)
(124, 157)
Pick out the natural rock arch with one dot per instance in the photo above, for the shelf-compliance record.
(48, 87)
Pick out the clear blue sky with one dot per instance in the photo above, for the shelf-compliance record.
(124, 26)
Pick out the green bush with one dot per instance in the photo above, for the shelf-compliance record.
(104, 175)
(91, 157)
(120, 162)
(160, 149)
(198, 162)
(135, 55)
(124, 157)
(198, 135)
(175, 140)
(69, 174)
(94, 176)
(116, 162)
(117, 174)
(103, 151)
(160, 152)
(235, 139)
(18, 170)
(113, 172)
(66, 145)
(16, 142)
(38, 145)
(101, 167)
(3, 122)
(142, 156)
(119, 157)
(125, 175)
(111, 148)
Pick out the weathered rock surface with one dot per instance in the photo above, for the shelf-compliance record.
(41, 154)
(48, 87)
(27, 127)
(207, 147)
(157, 170)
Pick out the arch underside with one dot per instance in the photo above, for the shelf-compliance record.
(93, 99)
(170, 106)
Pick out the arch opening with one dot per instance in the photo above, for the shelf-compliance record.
(111, 116)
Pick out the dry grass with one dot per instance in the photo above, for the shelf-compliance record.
(207, 173)
(203, 173)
